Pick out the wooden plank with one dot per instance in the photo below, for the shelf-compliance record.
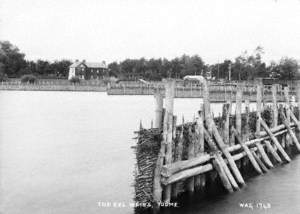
(187, 174)
(274, 139)
(170, 169)
(247, 150)
(251, 142)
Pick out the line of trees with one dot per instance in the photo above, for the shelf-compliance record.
(244, 67)
(247, 66)
(13, 64)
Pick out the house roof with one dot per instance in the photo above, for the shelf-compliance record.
(89, 64)
(95, 65)
(75, 64)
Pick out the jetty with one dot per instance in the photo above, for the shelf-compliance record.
(189, 157)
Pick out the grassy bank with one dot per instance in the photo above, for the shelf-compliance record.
(53, 85)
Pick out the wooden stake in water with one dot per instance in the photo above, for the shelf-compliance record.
(274, 106)
(258, 107)
(158, 110)
(238, 109)
(288, 113)
(170, 90)
(199, 146)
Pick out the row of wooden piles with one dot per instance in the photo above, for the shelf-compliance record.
(172, 158)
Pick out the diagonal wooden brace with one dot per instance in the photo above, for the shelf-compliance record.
(272, 151)
(291, 133)
(218, 156)
(274, 139)
(247, 150)
(264, 155)
(227, 154)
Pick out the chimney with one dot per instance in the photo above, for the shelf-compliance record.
(76, 60)
(84, 61)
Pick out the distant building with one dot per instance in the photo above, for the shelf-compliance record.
(87, 70)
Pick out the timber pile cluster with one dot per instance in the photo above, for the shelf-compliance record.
(148, 145)
(172, 159)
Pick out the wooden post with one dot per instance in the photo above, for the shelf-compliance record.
(226, 108)
(207, 113)
(178, 157)
(288, 114)
(258, 107)
(191, 154)
(247, 112)
(238, 109)
(170, 90)
(298, 97)
(158, 110)
(166, 144)
(275, 109)
(199, 146)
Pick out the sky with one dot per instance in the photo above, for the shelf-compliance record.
(111, 30)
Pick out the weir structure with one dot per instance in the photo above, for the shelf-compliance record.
(173, 159)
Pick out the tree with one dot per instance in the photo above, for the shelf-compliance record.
(11, 59)
(288, 68)
(60, 68)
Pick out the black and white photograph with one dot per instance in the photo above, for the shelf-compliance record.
(149, 107)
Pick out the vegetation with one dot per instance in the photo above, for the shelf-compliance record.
(75, 80)
(244, 67)
(14, 65)
(28, 78)
(247, 66)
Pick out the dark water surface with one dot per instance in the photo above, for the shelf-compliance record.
(64, 152)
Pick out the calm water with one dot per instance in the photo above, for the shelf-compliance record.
(63, 152)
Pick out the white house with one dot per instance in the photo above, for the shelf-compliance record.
(87, 70)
